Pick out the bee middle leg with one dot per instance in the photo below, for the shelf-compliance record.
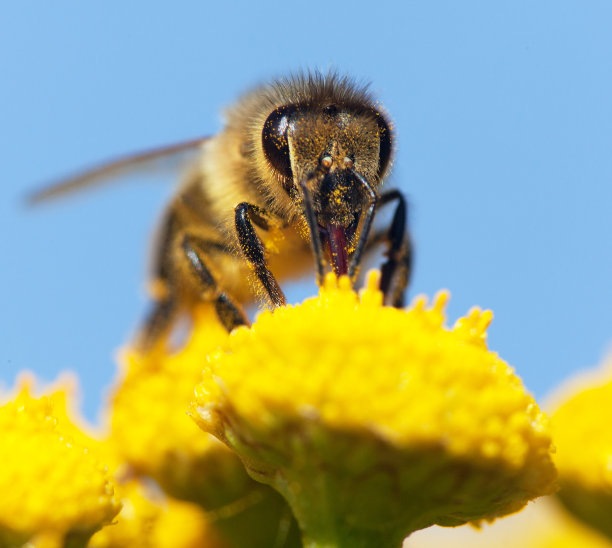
(191, 251)
(229, 313)
(245, 216)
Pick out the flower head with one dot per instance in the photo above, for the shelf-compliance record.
(150, 429)
(150, 520)
(52, 485)
(152, 433)
(374, 422)
(582, 434)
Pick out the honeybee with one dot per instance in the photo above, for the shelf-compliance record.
(294, 174)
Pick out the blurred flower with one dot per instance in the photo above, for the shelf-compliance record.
(583, 436)
(54, 491)
(150, 430)
(374, 422)
(152, 521)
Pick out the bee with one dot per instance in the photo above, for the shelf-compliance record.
(294, 175)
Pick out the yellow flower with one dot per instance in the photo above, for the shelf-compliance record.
(583, 436)
(53, 489)
(151, 431)
(152, 521)
(374, 422)
(149, 426)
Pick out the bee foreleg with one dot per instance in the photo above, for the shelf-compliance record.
(253, 249)
(229, 313)
(398, 266)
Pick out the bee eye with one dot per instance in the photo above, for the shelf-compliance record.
(274, 140)
(384, 133)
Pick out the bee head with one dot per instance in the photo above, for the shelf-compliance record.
(335, 152)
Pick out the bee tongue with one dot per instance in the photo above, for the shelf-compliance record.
(337, 248)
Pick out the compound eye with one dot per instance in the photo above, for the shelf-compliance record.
(274, 140)
(384, 133)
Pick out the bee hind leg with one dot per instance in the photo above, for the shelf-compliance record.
(245, 215)
(157, 323)
(396, 270)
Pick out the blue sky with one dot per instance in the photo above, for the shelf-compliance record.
(504, 124)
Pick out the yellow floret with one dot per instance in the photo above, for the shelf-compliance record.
(52, 486)
(582, 434)
(382, 420)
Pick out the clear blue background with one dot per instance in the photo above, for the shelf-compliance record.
(504, 119)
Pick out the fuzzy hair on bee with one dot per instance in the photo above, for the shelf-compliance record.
(293, 178)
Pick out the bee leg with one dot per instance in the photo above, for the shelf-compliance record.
(230, 314)
(245, 215)
(156, 324)
(398, 265)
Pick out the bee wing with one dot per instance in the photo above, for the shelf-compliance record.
(171, 156)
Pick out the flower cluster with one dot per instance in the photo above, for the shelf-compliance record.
(54, 489)
(337, 422)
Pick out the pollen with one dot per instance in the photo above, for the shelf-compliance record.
(402, 421)
(52, 484)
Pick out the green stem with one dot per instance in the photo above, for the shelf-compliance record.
(323, 520)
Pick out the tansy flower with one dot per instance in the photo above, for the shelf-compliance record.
(583, 436)
(54, 491)
(149, 520)
(374, 422)
(151, 431)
